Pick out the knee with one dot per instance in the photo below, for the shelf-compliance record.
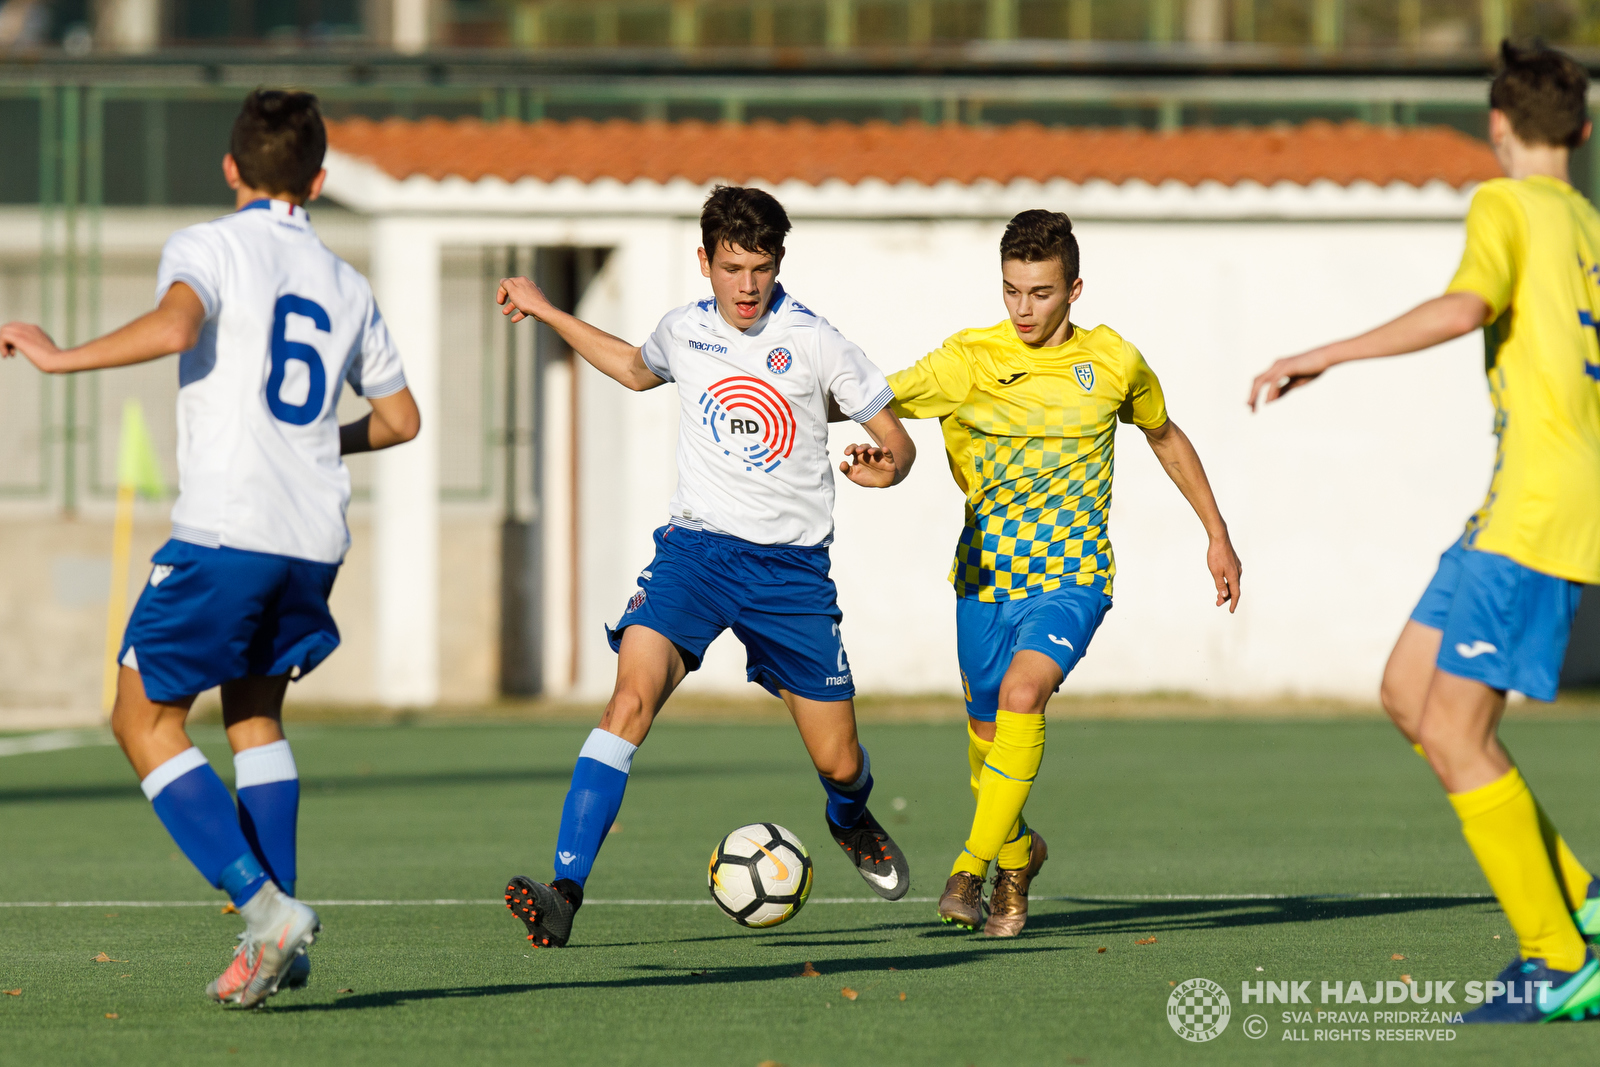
(628, 714)
(1024, 695)
(841, 764)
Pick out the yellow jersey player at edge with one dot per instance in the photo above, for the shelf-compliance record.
(1029, 410)
(1499, 610)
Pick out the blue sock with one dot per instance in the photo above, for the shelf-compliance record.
(197, 811)
(268, 784)
(592, 803)
(847, 803)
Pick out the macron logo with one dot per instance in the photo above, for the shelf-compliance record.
(705, 347)
(1474, 650)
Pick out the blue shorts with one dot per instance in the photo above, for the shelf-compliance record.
(1059, 624)
(1504, 625)
(211, 615)
(777, 599)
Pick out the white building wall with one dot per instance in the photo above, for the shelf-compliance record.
(1339, 499)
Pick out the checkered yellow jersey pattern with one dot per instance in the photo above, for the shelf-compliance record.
(1533, 255)
(1029, 434)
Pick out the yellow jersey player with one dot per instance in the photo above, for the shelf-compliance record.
(1029, 410)
(1498, 612)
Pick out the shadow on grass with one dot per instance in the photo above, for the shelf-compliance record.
(1153, 916)
(677, 977)
(409, 781)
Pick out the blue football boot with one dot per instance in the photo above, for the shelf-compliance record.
(1533, 992)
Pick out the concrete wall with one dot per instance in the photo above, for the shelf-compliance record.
(1339, 499)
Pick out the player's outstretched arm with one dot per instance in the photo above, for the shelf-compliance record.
(1182, 464)
(611, 356)
(393, 420)
(174, 326)
(885, 463)
(1433, 322)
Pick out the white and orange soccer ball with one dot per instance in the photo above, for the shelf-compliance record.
(760, 875)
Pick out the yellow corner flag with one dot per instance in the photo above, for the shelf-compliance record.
(137, 466)
(138, 471)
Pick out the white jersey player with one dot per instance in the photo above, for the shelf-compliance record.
(270, 325)
(746, 544)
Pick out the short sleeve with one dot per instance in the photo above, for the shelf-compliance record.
(1495, 238)
(376, 372)
(854, 381)
(934, 385)
(192, 256)
(657, 348)
(1144, 405)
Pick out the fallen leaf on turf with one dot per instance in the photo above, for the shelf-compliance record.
(1497, 937)
(112, 1015)
(848, 993)
(902, 996)
(346, 991)
(808, 971)
(12, 992)
(124, 976)
(111, 915)
(229, 909)
(1260, 968)
(698, 974)
(1405, 978)
(1102, 948)
(1397, 956)
(615, 829)
(1146, 940)
(103, 958)
(1172, 983)
(769, 1063)
(894, 968)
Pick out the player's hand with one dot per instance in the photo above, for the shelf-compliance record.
(522, 299)
(1284, 375)
(870, 466)
(28, 339)
(1223, 563)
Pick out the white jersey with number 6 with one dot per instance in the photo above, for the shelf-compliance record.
(287, 324)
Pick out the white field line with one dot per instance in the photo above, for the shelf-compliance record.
(452, 901)
(54, 740)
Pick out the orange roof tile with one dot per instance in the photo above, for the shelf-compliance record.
(813, 153)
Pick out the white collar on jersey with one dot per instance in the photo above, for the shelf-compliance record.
(781, 304)
(279, 207)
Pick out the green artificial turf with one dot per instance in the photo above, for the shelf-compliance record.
(1316, 813)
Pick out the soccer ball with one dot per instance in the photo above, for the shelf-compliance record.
(760, 875)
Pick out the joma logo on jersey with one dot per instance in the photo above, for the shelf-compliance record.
(705, 346)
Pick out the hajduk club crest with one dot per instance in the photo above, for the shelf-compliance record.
(779, 360)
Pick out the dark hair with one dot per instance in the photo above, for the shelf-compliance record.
(1037, 235)
(278, 141)
(749, 218)
(1544, 94)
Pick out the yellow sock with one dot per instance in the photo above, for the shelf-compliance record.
(1573, 876)
(1003, 787)
(1018, 849)
(1501, 824)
